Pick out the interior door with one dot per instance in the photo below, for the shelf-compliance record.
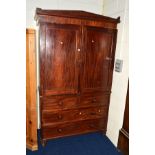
(98, 58)
(59, 72)
(31, 116)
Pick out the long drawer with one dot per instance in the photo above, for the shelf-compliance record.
(55, 103)
(70, 115)
(73, 128)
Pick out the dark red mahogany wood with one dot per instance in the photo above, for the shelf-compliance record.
(77, 50)
(123, 140)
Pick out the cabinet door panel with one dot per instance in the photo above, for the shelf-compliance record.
(98, 58)
(60, 74)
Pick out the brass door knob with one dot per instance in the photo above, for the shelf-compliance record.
(108, 58)
(78, 49)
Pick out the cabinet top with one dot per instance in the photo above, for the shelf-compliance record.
(75, 14)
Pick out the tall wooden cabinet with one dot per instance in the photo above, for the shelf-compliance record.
(77, 51)
(31, 110)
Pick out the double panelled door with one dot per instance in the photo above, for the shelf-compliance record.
(76, 59)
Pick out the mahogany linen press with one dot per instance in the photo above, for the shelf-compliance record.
(76, 52)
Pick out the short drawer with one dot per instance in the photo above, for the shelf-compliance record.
(59, 103)
(91, 100)
(73, 128)
(72, 115)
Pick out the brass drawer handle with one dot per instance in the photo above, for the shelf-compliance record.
(94, 100)
(92, 125)
(99, 110)
(59, 130)
(60, 103)
(80, 113)
(59, 116)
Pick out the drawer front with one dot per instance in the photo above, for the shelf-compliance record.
(79, 127)
(72, 115)
(73, 102)
(59, 103)
(94, 100)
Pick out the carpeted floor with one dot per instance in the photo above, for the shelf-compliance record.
(86, 144)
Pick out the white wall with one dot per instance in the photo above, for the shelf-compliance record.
(95, 6)
(115, 8)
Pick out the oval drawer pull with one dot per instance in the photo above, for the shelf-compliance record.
(59, 116)
(59, 130)
(99, 110)
(94, 100)
(92, 125)
(60, 103)
(80, 113)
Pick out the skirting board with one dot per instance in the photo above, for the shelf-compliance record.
(32, 147)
